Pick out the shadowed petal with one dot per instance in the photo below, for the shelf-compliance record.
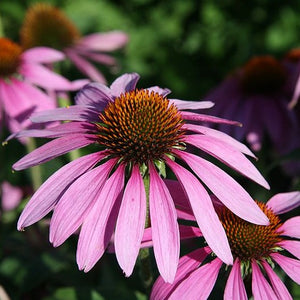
(261, 289)
(131, 222)
(204, 212)
(124, 83)
(42, 55)
(291, 246)
(187, 264)
(284, 202)
(183, 104)
(199, 284)
(289, 265)
(53, 149)
(235, 288)
(291, 227)
(76, 203)
(228, 155)
(225, 188)
(46, 197)
(97, 228)
(165, 232)
(277, 285)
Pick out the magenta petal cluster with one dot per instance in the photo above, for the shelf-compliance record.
(104, 192)
(195, 278)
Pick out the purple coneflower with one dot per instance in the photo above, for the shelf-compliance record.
(138, 133)
(20, 72)
(255, 248)
(45, 25)
(257, 95)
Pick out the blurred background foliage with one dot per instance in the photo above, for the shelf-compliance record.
(187, 46)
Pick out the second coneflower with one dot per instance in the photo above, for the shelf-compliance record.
(119, 189)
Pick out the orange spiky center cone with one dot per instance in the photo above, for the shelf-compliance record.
(140, 126)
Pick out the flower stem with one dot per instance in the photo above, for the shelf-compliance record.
(35, 172)
(1, 28)
(144, 255)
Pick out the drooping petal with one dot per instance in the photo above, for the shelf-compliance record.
(291, 227)
(97, 228)
(124, 83)
(277, 285)
(229, 155)
(165, 232)
(204, 212)
(71, 113)
(289, 265)
(235, 288)
(223, 137)
(11, 196)
(187, 264)
(225, 188)
(94, 94)
(76, 203)
(207, 118)
(46, 197)
(98, 57)
(42, 55)
(182, 104)
(291, 246)
(261, 289)
(131, 222)
(53, 149)
(284, 202)
(107, 41)
(199, 284)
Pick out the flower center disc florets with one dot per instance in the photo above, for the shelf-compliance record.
(140, 126)
(249, 241)
(46, 25)
(263, 74)
(9, 57)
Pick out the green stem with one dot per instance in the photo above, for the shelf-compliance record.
(144, 255)
(1, 28)
(35, 172)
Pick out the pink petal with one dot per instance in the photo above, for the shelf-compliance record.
(225, 188)
(277, 285)
(284, 202)
(199, 284)
(291, 246)
(46, 197)
(223, 137)
(85, 67)
(11, 196)
(291, 227)
(99, 57)
(228, 155)
(125, 83)
(290, 266)
(42, 55)
(53, 149)
(108, 41)
(45, 78)
(235, 288)
(131, 221)
(187, 264)
(71, 113)
(98, 227)
(156, 89)
(76, 202)
(207, 118)
(204, 212)
(261, 289)
(182, 104)
(164, 227)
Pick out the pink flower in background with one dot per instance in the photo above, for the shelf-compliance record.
(11, 196)
(20, 73)
(46, 25)
(138, 132)
(257, 95)
(255, 249)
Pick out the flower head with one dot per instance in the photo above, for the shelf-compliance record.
(45, 25)
(20, 72)
(139, 132)
(255, 248)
